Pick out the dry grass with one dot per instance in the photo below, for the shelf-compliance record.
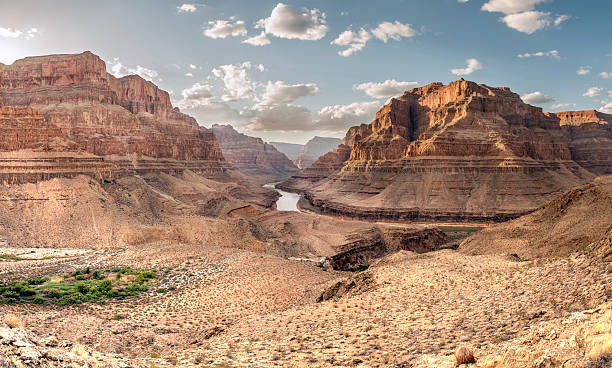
(600, 339)
(12, 321)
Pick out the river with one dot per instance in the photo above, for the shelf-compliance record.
(287, 201)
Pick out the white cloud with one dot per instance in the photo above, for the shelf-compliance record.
(605, 75)
(388, 88)
(606, 108)
(15, 33)
(261, 67)
(259, 40)
(462, 1)
(593, 92)
(10, 32)
(560, 19)
(189, 74)
(472, 66)
(396, 31)
(584, 70)
(286, 118)
(552, 53)
(609, 93)
(186, 8)
(196, 95)
(527, 22)
(511, 6)
(537, 98)
(193, 67)
(287, 22)
(563, 106)
(119, 70)
(338, 118)
(355, 41)
(224, 28)
(238, 85)
(281, 93)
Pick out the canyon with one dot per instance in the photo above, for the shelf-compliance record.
(252, 156)
(103, 176)
(459, 152)
(313, 149)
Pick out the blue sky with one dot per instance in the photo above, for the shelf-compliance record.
(298, 85)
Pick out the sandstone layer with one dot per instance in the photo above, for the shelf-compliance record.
(313, 149)
(252, 156)
(64, 115)
(460, 152)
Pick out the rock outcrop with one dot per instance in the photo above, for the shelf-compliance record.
(460, 152)
(65, 115)
(576, 219)
(252, 156)
(313, 149)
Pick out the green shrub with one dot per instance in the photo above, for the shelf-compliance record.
(38, 299)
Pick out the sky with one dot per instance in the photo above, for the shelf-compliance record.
(289, 71)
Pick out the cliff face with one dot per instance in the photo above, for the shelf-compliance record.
(461, 152)
(313, 149)
(252, 156)
(70, 104)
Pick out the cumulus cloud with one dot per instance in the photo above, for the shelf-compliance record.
(281, 93)
(510, 6)
(552, 53)
(592, 92)
(472, 66)
(527, 22)
(606, 108)
(188, 74)
(238, 85)
(462, 1)
(287, 22)
(584, 70)
(537, 98)
(196, 95)
(116, 68)
(563, 106)
(522, 16)
(285, 118)
(193, 67)
(224, 28)
(187, 8)
(338, 118)
(388, 88)
(259, 40)
(356, 41)
(605, 75)
(15, 33)
(395, 31)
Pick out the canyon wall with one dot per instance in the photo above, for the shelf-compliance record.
(460, 152)
(313, 149)
(252, 156)
(65, 114)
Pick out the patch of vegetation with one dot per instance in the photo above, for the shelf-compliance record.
(460, 229)
(10, 257)
(79, 287)
(357, 268)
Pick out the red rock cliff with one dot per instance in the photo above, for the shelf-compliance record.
(129, 122)
(464, 151)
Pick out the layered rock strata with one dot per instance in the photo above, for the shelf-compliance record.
(457, 152)
(64, 115)
(252, 156)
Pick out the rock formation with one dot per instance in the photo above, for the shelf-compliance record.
(315, 148)
(291, 150)
(252, 156)
(64, 115)
(460, 152)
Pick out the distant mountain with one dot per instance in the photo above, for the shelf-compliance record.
(252, 156)
(291, 150)
(315, 148)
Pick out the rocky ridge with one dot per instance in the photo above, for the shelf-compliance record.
(252, 156)
(457, 152)
(75, 117)
(315, 148)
